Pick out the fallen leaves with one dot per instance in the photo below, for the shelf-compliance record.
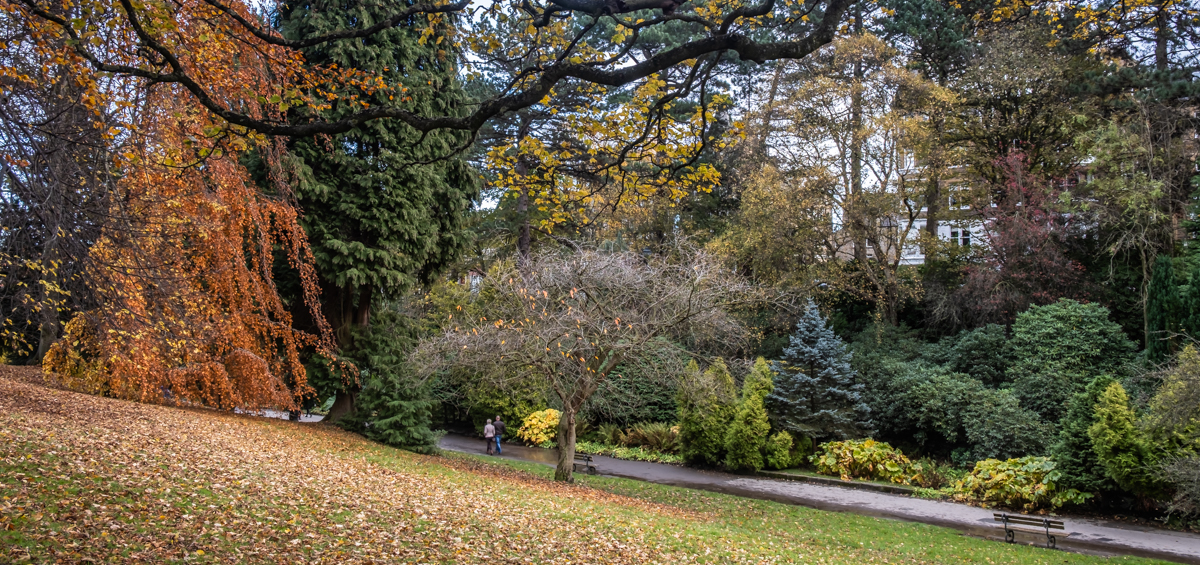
(84, 478)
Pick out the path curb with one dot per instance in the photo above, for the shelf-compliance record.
(890, 489)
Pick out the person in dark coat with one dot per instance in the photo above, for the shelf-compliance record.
(499, 425)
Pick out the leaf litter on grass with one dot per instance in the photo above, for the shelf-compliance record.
(85, 479)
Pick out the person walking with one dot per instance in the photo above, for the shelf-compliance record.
(499, 425)
(489, 436)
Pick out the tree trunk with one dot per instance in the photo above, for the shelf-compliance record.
(566, 447)
(933, 196)
(856, 155)
(50, 299)
(362, 316)
(1161, 37)
(345, 404)
(523, 233)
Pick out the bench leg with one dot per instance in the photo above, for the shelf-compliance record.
(1009, 535)
(1051, 542)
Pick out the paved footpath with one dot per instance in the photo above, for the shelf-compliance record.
(1088, 535)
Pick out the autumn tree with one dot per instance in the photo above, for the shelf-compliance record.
(177, 242)
(562, 42)
(835, 185)
(55, 156)
(569, 319)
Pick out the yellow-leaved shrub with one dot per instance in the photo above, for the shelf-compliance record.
(540, 427)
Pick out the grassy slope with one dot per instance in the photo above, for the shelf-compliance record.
(85, 478)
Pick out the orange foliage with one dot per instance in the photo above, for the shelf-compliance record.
(188, 310)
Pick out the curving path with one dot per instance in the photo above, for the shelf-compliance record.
(1088, 535)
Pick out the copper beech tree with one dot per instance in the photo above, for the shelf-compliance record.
(160, 220)
(569, 319)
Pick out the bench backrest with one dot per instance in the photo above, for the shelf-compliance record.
(1017, 519)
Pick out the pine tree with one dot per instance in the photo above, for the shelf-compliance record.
(747, 434)
(384, 207)
(1163, 311)
(815, 393)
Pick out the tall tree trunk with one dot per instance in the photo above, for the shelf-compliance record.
(856, 154)
(933, 196)
(345, 403)
(1161, 36)
(764, 132)
(50, 298)
(566, 447)
(523, 233)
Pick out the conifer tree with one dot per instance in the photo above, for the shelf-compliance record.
(1163, 311)
(1190, 301)
(707, 406)
(1073, 454)
(747, 434)
(815, 391)
(1128, 456)
(382, 208)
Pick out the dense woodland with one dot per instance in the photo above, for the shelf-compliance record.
(734, 235)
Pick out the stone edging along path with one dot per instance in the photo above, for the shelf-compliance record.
(832, 481)
(1088, 535)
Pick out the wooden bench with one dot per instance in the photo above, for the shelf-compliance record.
(1014, 523)
(585, 461)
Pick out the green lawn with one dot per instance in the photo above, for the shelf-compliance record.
(85, 479)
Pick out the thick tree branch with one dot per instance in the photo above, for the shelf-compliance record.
(745, 48)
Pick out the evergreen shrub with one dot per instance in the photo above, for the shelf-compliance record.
(747, 434)
(393, 406)
(707, 404)
(778, 451)
(1128, 455)
(1073, 453)
(816, 390)
(1058, 349)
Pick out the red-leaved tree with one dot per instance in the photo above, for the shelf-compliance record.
(1027, 232)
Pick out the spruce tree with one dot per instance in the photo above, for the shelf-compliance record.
(815, 391)
(747, 435)
(1163, 311)
(384, 207)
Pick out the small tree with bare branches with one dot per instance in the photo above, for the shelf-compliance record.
(571, 318)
